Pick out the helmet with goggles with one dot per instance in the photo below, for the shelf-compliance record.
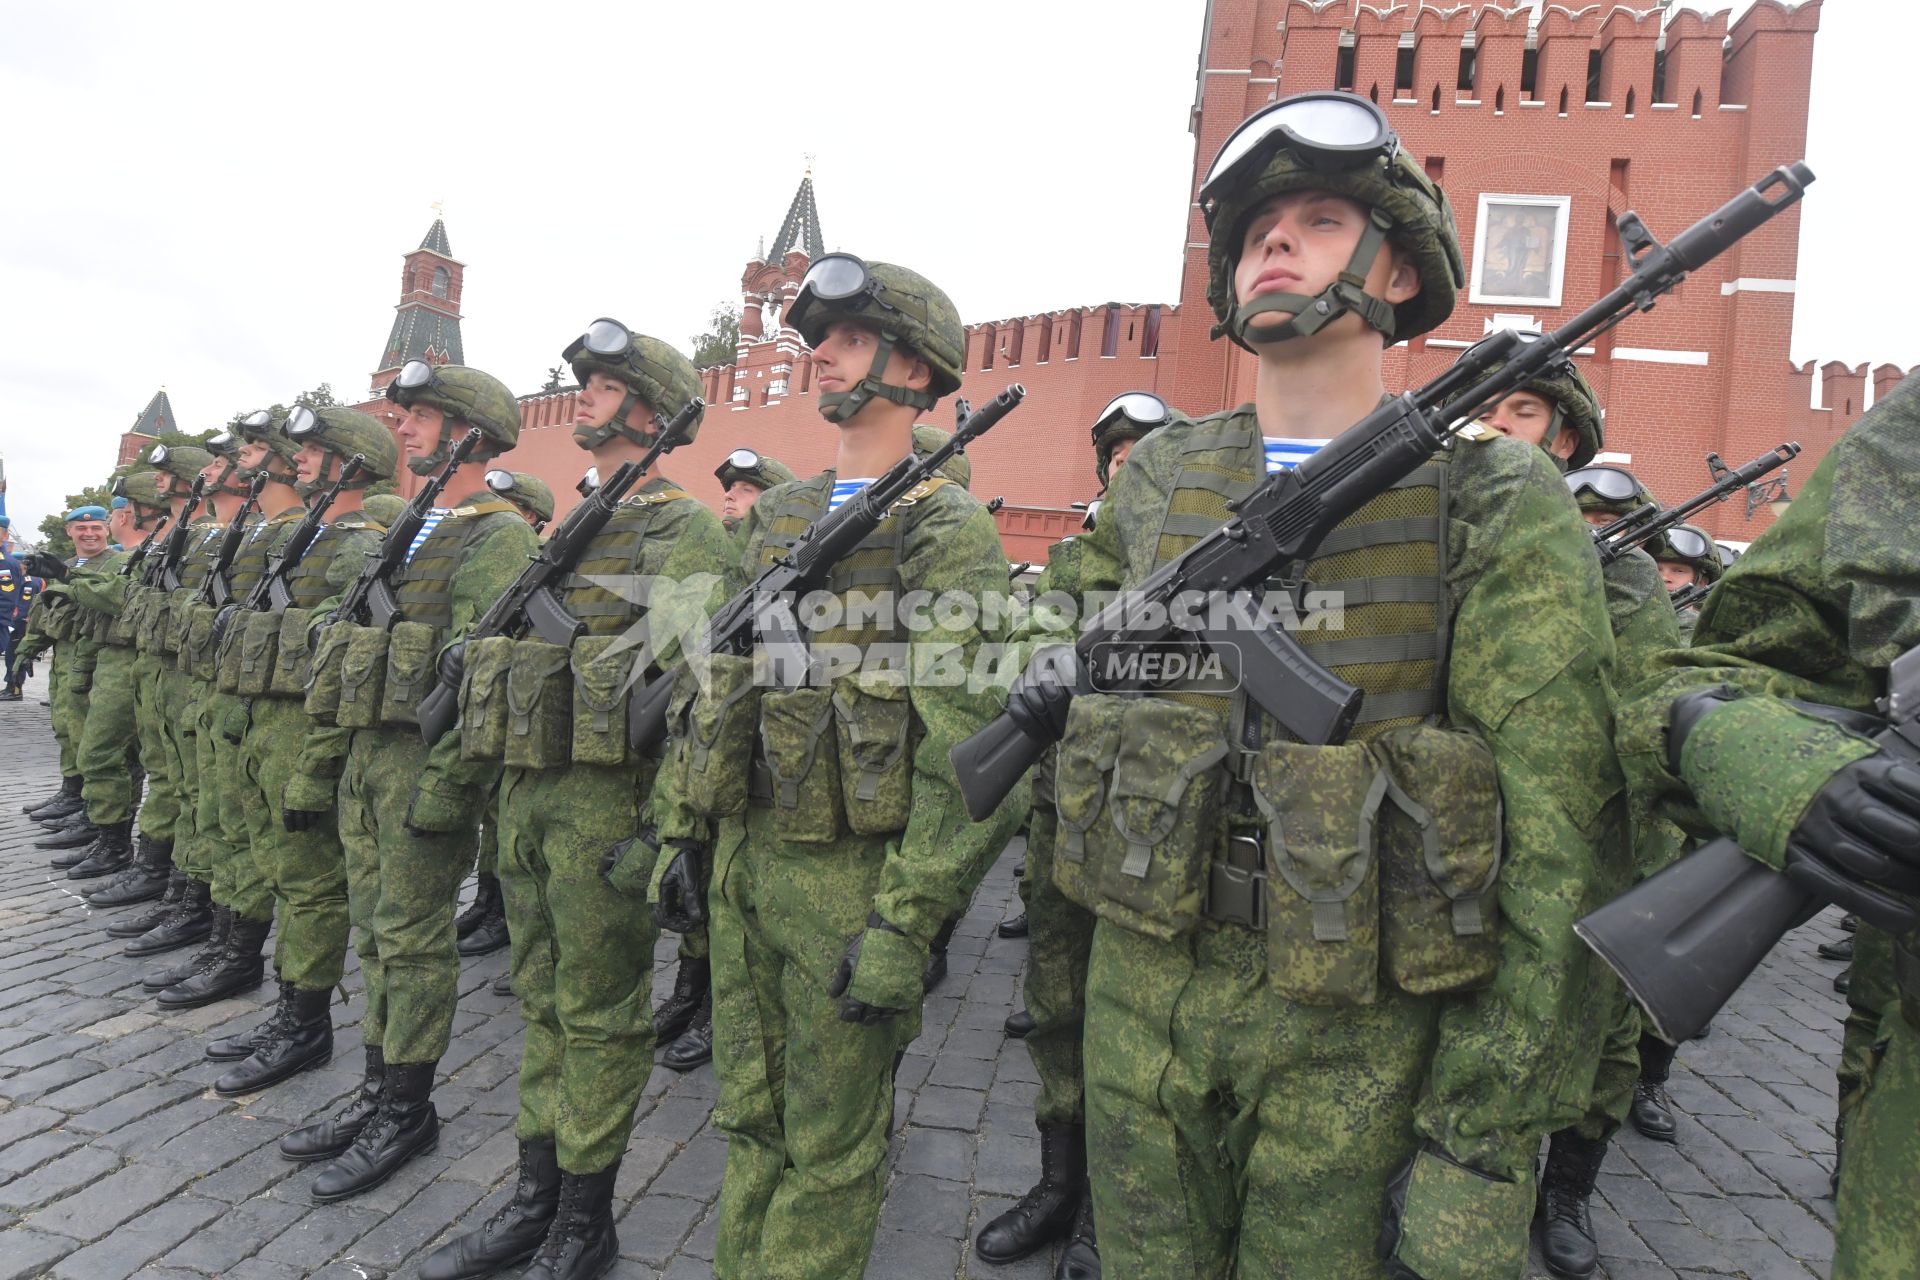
(343, 434)
(265, 426)
(1575, 407)
(1613, 491)
(1692, 546)
(464, 395)
(1128, 416)
(1340, 143)
(652, 371)
(904, 307)
(184, 462)
(525, 490)
(142, 490)
(224, 448)
(750, 466)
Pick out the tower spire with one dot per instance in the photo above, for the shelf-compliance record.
(801, 229)
(426, 323)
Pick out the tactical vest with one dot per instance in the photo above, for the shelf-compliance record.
(197, 560)
(256, 550)
(425, 589)
(614, 553)
(306, 581)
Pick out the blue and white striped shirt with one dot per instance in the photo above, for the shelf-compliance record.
(844, 489)
(1284, 454)
(434, 517)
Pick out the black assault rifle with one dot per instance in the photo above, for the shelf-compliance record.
(163, 570)
(370, 599)
(530, 601)
(139, 553)
(1645, 523)
(1684, 939)
(1290, 512)
(216, 590)
(1687, 597)
(271, 591)
(763, 614)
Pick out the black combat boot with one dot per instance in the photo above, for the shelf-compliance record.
(405, 1126)
(1013, 926)
(503, 985)
(208, 954)
(300, 1036)
(489, 931)
(1080, 1260)
(67, 799)
(691, 985)
(485, 899)
(109, 855)
(936, 970)
(694, 1045)
(239, 968)
(240, 1047)
(134, 926)
(1018, 1024)
(581, 1244)
(145, 879)
(513, 1234)
(325, 1139)
(1841, 950)
(1652, 1112)
(1046, 1212)
(1565, 1228)
(190, 921)
(77, 834)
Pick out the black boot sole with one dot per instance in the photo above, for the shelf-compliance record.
(283, 1072)
(364, 1187)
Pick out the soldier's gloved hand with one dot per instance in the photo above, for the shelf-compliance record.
(453, 664)
(1862, 836)
(44, 564)
(431, 814)
(298, 820)
(627, 868)
(679, 903)
(1040, 695)
(880, 975)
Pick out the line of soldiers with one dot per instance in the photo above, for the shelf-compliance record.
(1297, 1009)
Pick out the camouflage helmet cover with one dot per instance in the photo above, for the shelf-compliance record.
(267, 427)
(1708, 563)
(909, 306)
(1563, 386)
(184, 462)
(655, 371)
(468, 395)
(347, 432)
(531, 491)
(1589, 500)
(764, 474)
(142, 489)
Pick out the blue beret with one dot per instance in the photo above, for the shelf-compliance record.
(119, 502)
(5, 523)
(90, 512)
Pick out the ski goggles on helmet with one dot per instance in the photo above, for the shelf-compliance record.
(1142, 408)
(588, 482)
(502, 482)
(255, 424)
(415, 376)
(221, 444)
(1686, 544)
(304, 425)
(842, 282)
(1325, 131)
(1607, 483)
(742, 464)
(1727, 555)
(605, 337)
(159, 455)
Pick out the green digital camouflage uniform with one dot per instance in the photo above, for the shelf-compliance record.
(180, 696)
(306, 870)
(68, 675)
(582, 949)
(160, 810)
(402, 884)
(107, 744)
(1232, 1130)
(806, 1099)
(1816, 609)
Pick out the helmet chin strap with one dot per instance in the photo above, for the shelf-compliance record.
(1555, 425)
(838, 406)
(593, 437)
(1312, 313)
(431, 463)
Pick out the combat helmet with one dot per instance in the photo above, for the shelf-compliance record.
(268, 427)
(1129, 416)
(1338, 142)
(652, 371)
(1612, 491)
(1575, 407)
(753, 467)
(223, 446)
(1694, 547)
(465, 395)
(184, 462)
(141, 489)
(907, 309)
(526, 491)
(342, 434)
(384, 508)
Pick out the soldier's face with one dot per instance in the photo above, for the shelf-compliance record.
(419, 430)
(600, 399)
(1677, 575)
(1300, 241)
(1598, 519)
(89, 536)
(738, 499)
(1117, 456)
(309, 463)
(845, 355)
(252, 454)
(166, 484)
(1526, 417)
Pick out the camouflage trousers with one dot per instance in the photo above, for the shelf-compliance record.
(1231, 1132)
(67, 685)
(306, 870)
(222, 844)
(107, 745)
(1873, 1000)
(806, 1100)
(180, 717)
(1876, 1230)
(401, 890)
(582, 959)
(1059, 940)
(160, 811)
(1617, 1061)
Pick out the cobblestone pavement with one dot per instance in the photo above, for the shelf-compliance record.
(116, 1159)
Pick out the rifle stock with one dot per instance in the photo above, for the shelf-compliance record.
(1286, 517)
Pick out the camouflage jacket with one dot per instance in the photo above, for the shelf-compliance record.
(1644, 628)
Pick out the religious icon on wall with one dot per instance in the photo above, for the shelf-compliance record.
(1520, 249)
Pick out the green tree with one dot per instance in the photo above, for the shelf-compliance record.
(719, 344)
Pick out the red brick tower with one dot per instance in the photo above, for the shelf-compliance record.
(426, 325)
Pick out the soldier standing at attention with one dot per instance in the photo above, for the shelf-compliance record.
(1817, 610)
(71, 630)
(743, 477)
(572, 798)
(1335, 1000)
(843, 843)
(409, 815)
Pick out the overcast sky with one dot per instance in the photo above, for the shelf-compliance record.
(215, 199)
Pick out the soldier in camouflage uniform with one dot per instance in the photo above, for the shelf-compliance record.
(304, 867)
(572, 798)
(1061, 936)
(152, 867)
(842, 843)
(743, 477)
(407, 814)
(70, 629)
(1559, 412)
(1816, 610)
(1688, 556)
(1315, 1047)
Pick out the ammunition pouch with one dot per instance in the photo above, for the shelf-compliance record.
(796, 735)
(229, 624)
(198, 655)
(292, 662)
(483, 698)
(252, 656)
(412, 668)
(720, 703)
(363, 675)
(874, 722)
(602, 685)
(179, 618)
(539, 706)
(326, 672)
